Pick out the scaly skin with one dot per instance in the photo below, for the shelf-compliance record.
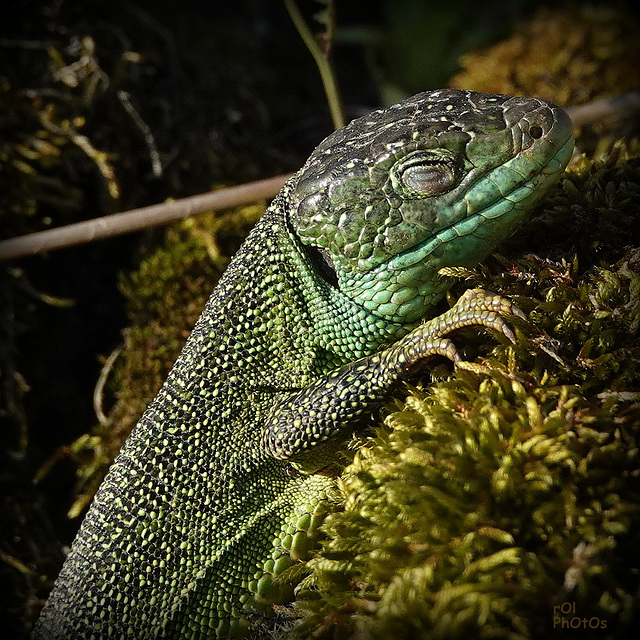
(221, 482)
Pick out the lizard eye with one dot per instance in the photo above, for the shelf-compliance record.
(428, 179)
(425, 173)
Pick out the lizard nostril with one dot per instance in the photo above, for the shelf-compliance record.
(536, 132)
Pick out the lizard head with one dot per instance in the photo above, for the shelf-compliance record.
(436, 180)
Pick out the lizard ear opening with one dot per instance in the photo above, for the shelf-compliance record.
(322, 263)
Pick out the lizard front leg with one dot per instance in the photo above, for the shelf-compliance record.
(335, 402)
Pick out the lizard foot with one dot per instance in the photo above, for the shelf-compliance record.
(307, 417)
(475, 307)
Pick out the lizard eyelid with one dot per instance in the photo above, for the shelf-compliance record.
(425, 173)
(429, 178)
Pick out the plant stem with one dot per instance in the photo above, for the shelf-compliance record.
(323, 62)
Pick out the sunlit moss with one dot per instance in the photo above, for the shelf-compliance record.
(485, 500)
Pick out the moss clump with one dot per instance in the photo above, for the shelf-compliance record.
(165, 296)
(490, 498)
(570, 56)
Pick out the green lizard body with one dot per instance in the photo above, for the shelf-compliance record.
(314, 322)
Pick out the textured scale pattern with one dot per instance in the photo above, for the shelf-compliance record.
(312, 325)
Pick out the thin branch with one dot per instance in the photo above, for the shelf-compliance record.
(322, 58)
(624, 106)
(156, 165)
(137, 219)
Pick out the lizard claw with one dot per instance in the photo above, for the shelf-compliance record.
(475, 307)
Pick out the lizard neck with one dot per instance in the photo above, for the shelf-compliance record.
(336, 323)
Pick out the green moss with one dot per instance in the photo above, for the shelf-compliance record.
(570, 56)
(489, 497)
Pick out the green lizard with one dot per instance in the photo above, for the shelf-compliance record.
(317, 318)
